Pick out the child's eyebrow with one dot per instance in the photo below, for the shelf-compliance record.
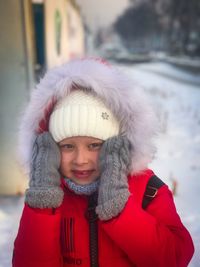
(65, 143)
(96, 142)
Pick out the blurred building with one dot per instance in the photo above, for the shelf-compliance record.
(35, 36)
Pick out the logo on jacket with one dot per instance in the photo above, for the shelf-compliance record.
(70, 260)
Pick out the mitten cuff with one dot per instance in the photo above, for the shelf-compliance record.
(44, 197)
(112, 207)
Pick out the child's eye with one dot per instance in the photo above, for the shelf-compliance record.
(95, 146)
(68, 147)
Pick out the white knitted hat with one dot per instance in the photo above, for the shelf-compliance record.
(82, 114)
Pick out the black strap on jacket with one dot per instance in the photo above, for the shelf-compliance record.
(151, 190)
(92, 217)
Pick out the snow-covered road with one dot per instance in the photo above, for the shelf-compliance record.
(176, 97)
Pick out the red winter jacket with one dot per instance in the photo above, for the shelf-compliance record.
(154, 237)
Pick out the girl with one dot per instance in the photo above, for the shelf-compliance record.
(86, 141)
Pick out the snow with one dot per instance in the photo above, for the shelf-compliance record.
(184, 61)
(175, 95)
(10, 213)
(172, 72)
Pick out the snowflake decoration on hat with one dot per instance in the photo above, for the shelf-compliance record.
(105, 115)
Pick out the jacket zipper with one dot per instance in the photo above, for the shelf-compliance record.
(92, 218)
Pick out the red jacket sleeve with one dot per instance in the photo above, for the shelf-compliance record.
(153, 237)
(38, 239)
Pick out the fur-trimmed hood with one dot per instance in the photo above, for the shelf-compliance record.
(118, 92)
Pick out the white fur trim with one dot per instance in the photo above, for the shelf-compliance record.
(119, 93)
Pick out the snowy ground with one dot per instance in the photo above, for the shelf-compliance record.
(10, 212)
(176, 97)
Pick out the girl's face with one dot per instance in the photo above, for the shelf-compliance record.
(79, 158)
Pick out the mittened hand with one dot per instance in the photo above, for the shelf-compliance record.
(114, 163)
(44, 191)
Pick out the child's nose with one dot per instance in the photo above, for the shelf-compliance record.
(80, 157)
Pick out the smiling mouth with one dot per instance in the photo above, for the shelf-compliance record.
(82, 174)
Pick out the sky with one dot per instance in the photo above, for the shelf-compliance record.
(101, 13)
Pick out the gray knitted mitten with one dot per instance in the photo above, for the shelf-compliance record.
(44, 191)
(114, 163)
